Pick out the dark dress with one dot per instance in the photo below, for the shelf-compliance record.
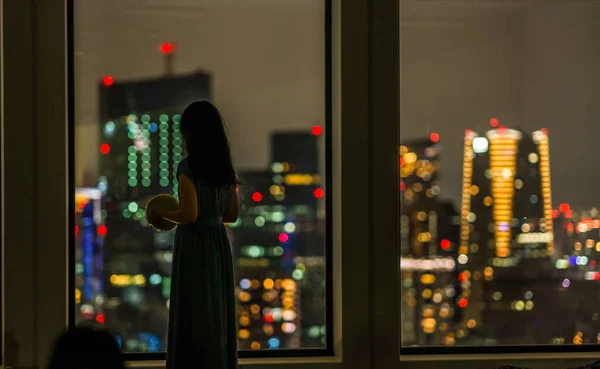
(202, 318)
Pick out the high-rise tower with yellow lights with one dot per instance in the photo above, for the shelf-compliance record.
(506, 208)
(506, 236)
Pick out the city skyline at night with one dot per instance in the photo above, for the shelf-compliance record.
(277, 242)
(493, 219)
(512, 247)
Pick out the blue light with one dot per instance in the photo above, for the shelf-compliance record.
(152, 340)
(245, 283)
(119, 340)
(273, 343)
(573, 260)
(155, 279)
(153, 127)
(153, 344)
(87, 250)
(109, 128)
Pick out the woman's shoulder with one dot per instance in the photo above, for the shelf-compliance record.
(184, 167)
(184, 163)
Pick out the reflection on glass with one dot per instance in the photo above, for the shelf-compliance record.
(497, 248)
(263, 64)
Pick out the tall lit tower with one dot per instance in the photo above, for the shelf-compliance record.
(506, 202)
(503, 148)
(541, 138)
(429, 233)
(420, 207)
(278, 246)
(506, 234)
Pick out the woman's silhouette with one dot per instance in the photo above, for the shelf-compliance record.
(202, 321)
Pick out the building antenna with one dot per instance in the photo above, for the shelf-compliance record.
(168, 49)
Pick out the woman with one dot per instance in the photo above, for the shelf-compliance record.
(202, 321)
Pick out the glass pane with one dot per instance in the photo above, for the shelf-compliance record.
(137, 66)
(499, 225)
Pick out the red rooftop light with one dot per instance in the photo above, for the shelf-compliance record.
(317, 130)
(167, 48)
(108, 81)
(445, 244)
(102, 230)
(564, 207)
(257, 197)
(105, 148)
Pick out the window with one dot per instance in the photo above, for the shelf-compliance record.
(500, 222)
(265, 65)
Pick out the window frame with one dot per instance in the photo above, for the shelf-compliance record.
(41, 176)
(327, 85)
(36, 180)
(34, 192)
(475, 356)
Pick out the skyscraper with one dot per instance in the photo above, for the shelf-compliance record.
(506, 237)
(278, 243)
(428, 241)
(89, 258)
(506, 207)
(295, 158)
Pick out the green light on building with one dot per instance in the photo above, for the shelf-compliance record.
(143, 164)
(164, 149)
(133, 207)
(132, 164)
(176, 143)
(146, 153)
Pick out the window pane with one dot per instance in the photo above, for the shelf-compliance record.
(137, 66)
(500, 238)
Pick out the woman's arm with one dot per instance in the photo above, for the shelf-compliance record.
(231, 215)
(188, 204)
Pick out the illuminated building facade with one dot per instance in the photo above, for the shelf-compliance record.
(506, 237)
(420, 204)
(141, 148)
(278, 246)
(429, 237)
(506, 197)
(296, 161)
(89, 259)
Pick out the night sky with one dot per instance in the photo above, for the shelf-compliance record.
(531, 64)
(266, 59)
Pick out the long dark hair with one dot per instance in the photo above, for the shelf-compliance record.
(208, 148)
(86, 347)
